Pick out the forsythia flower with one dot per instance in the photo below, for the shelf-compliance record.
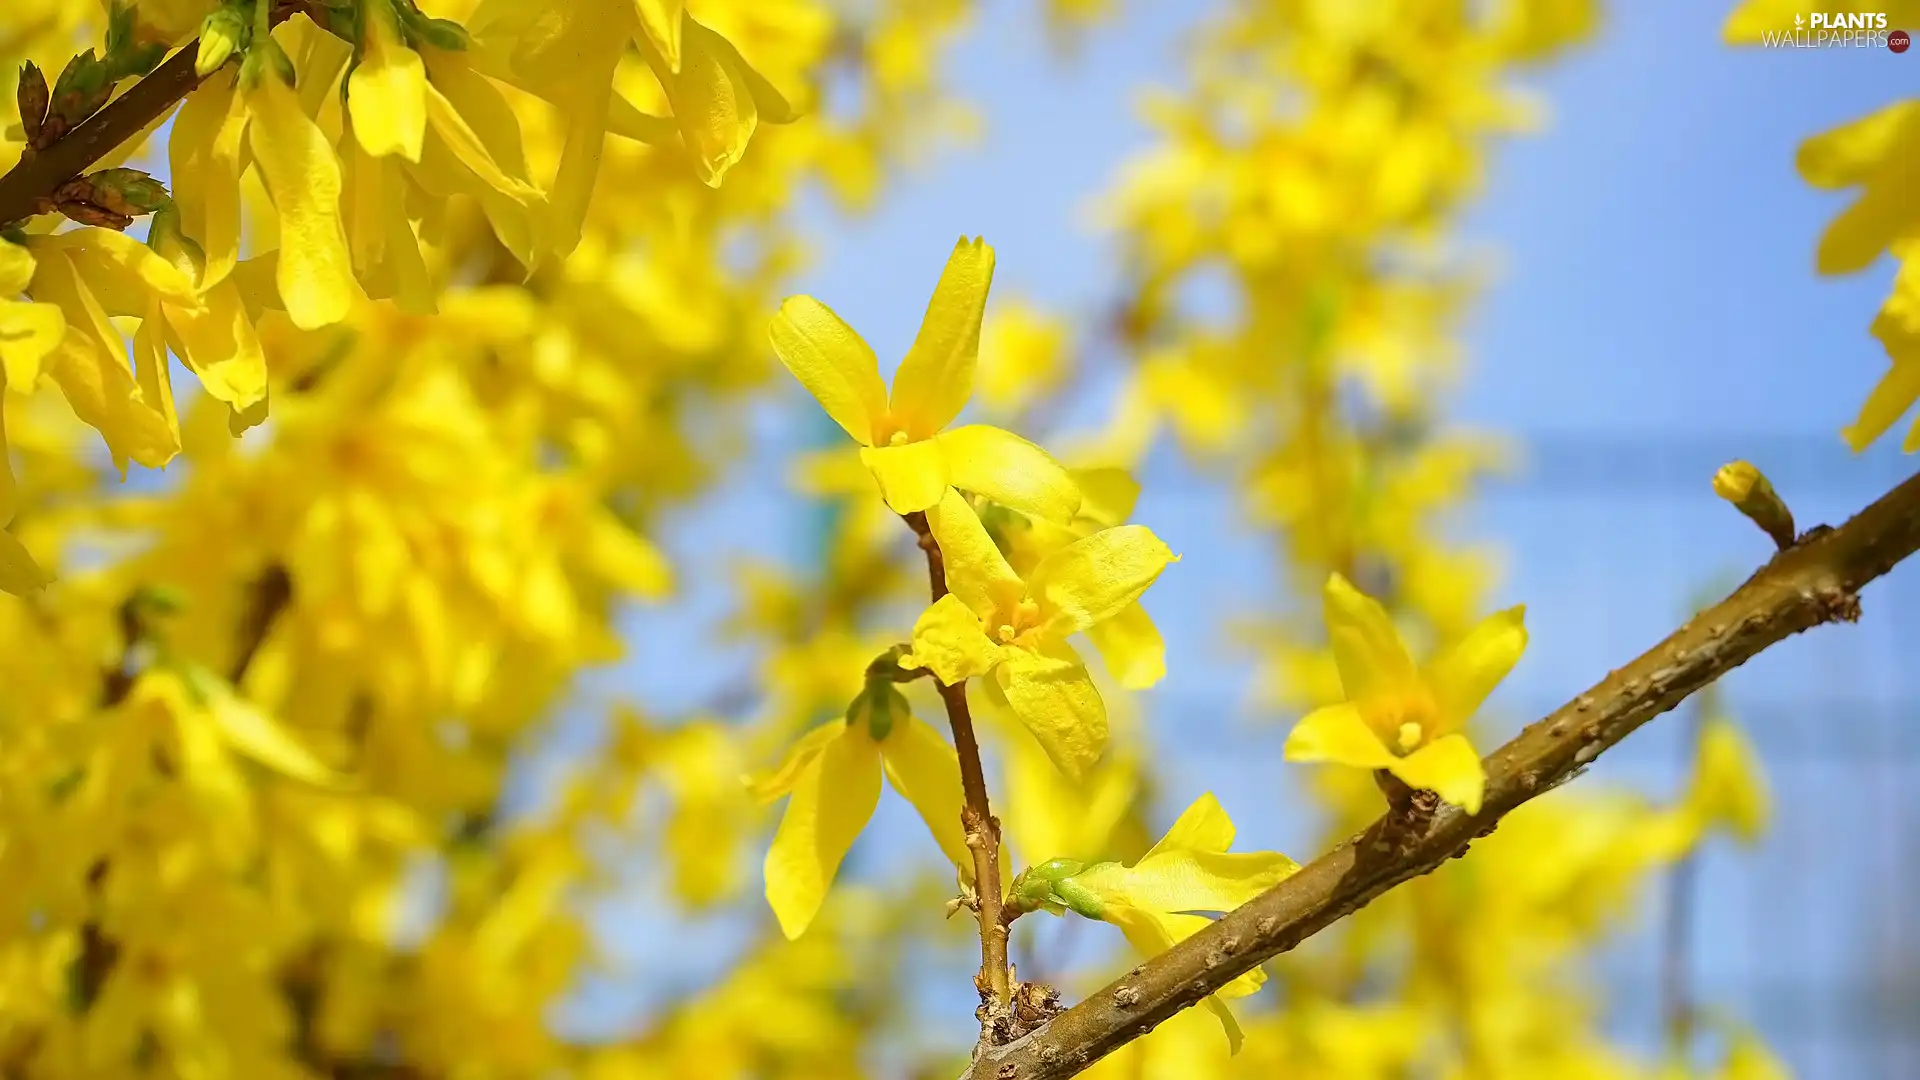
(1898, 328)
(900, 437)
(1401, 719)
(28, 332)
(1154, 901)
(1128, 642)
(992, 621)
(833, 785)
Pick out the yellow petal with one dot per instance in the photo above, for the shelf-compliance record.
(1009, 470)
(19, 573)
(712, 102)
(206, 149)
(1889, 400)
(90, 367)
(471, 151)
(948, 640)
(1728, 783)
(1337, 734)
(219, 345)
(1107, 495)
(28, 334)
(660, 22)
(1190, 881)
(9, 493)
(912, 476)
(252, 732)
(1152, 933)
(1055, 698)
(1131, 647)
(387, 92)
(976, 571)
(152, 373)
(1094, 578)
(926, 772)
(16, 269)
(1461, 677)
(832, 799)
(833, 362)
(936, 377)
(314, 273)
(130, 270)
(1898, 327)
(1851, 153)
(1447, 766)
(1372, 660)
(1235, 1038)
(800, 756)
(1202, 826)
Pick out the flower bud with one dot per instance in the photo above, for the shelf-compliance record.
(1748, 489)
(127, 191)
(879, 707)
(32, 96)
(222, 33)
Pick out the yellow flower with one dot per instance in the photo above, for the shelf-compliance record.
(1129, 643)
(1876, 153)
(314, 273)
(1155, 901)
(833, 785)
(28, 332)
(1400, 719)
(992, 621)
(900, 437)
(387, 90)
(1898, 328)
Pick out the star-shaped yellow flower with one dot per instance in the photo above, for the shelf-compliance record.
(901, 436)
(1401, 719)
(993, 622)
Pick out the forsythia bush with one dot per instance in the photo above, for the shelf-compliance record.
(475, 295)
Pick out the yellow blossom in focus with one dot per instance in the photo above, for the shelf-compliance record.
(1401, 719)
(1154, 901)
(832, 780)
(993, 622)
(901, 436)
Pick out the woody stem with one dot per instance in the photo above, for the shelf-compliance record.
(27, 188)
(981, 828)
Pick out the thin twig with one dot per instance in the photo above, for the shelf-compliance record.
(981, 828)
(1814, 582)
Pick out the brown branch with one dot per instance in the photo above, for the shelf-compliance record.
(981, 828)
(27, 188)
(1814, 582)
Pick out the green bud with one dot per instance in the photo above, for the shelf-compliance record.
(128, 191)
(439, 33)
(32, 96)
(1079, 899)
(222, 33)
(879, 706)
(265, 59)
(887, 667)
(119, 27)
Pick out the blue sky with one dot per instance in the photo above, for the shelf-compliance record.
(1656, 314)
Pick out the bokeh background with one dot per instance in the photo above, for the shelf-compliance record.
(1652, 312)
